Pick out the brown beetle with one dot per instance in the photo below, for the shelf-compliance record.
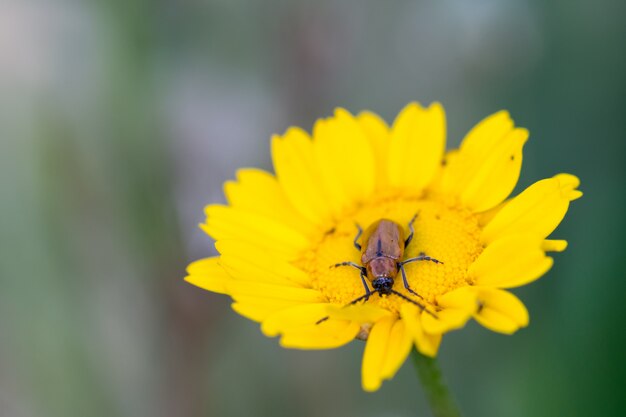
(381, 258)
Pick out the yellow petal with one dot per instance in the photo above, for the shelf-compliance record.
(462, 298)
(273, 304)
(205, 266)
(510, 262)
(537, 210)
(426, 343)
(345, 160)
(258, 309)
(446, 320)
(293, 317)
(231, 223)
(251, 312)
(399, 346)
(208, 274)
(436, 185)
(377, 132)
(249, 262)
(375, 352)
(478, 141)
(279, 292)
(497, 174)
(569, 184)
(418, 140)
(487, 133)
(326, 335)
(241, 268)
(258, 191)
(487, 166)
(363, 313)
(486, 216)
(457, 308)
(550, 245)
(297, 174)
(500, 310)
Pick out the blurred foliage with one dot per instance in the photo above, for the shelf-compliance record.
(121, 119)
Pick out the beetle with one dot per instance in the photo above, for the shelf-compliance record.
(382, 258)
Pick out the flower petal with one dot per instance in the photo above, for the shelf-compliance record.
(258, 309)
(446, 320)
(462, 298)
(258, 191)
(551, 245)
(487, 134)
(280, 292)
(225, 222)
(486, 216)
(298, 175)
(487, 167)
(293, 317)
(208, 274)
(326, 335)
(538, 210)
(481, 138)
(569, 185)
(496, 177)
(418, 140)
(510, 262)
(458, 306)
(250, 262)
(377, 132)
(251, 312)
(500, 310)
(375, 352)
(345, 159)
(398, 348)
(269, 303)
(426, 343)
(363, 313)
(244, 270)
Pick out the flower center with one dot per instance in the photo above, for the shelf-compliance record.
(444, 232)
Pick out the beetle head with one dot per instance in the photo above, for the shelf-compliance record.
(382, 285)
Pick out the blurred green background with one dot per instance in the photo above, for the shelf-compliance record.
(121, 119)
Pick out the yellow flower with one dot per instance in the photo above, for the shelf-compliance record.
(280, 235)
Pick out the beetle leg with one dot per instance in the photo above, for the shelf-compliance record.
(412, 231)
(422, 257)
(404, 280)
(365, 297)
(359, 267)
(364, 281)
(358, 235)
(356, 300)
(363, 272)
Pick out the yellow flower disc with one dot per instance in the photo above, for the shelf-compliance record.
(448, 234)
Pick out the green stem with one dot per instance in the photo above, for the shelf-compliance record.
(439, 397)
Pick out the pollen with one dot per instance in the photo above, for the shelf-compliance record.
(442, 231)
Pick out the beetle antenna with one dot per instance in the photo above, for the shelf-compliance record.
(356, 300)
(420, 305)
(366, 296)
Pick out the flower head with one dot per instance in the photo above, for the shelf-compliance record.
(281, 236)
